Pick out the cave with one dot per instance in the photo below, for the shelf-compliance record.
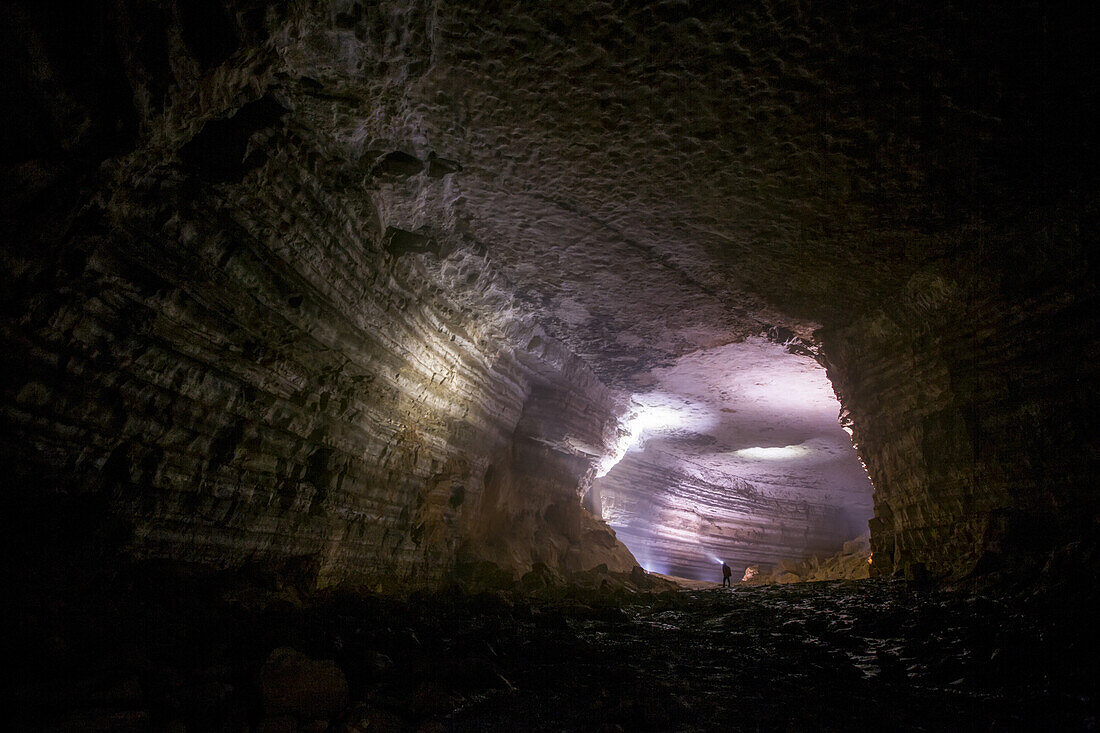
(383, 365)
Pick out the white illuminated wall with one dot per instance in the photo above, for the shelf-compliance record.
(735, 453)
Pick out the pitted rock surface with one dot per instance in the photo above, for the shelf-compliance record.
(370, 284)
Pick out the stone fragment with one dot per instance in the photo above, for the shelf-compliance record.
(541, 577)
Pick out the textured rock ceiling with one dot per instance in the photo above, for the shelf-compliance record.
(377, 282)
(647, 179)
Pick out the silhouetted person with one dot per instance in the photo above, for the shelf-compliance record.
(727, 576)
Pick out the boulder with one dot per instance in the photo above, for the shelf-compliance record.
(788, 566)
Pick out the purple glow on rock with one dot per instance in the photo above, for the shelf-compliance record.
(735, 452)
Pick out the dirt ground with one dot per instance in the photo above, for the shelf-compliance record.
(188, 653)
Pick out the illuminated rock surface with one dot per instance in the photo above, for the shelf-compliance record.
(741, 459)
(325, 323)
(853, 562)
(365, 288)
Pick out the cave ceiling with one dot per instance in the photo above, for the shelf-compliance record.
(693, 198)
(656, 183)
(653, 179)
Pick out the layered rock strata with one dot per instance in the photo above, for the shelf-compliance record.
(735, 454)
(853, 562)
(355, 281)
(976, 431)
(247, 349)
(681, 525)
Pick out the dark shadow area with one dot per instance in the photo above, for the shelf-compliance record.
(160, 646)
(309, 307)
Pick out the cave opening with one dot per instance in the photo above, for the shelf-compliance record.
(735, 453)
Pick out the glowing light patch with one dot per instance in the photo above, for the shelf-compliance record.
(804, 390)
(742, 413)
(773, 454)
(654, 417)
(645, 418)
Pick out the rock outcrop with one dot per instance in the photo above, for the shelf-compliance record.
(246, 345)
(365, 288)
(853, 562)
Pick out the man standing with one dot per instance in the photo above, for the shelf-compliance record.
(727, 575)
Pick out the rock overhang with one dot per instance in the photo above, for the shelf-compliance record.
(736, 452)
(633, 184)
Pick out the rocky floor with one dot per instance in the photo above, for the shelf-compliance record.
(180, 652)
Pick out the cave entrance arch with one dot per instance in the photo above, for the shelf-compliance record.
(734, 453)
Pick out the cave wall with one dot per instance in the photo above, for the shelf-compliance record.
(736, 455)
(972, 403)
(688, 526)
(230, 345)
(273, 270)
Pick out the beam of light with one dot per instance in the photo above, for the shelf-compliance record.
(644, 418)
(773, 454)
(648, 563)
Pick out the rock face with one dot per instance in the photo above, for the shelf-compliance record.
(736, 456)
(369, 286)
(248, 348)
(265, 374)
(851, 563)
(973, 431)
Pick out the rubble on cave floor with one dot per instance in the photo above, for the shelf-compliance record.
(852, 562)
(191, 654)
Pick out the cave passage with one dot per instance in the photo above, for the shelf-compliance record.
(358, 357)
(734, 453)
